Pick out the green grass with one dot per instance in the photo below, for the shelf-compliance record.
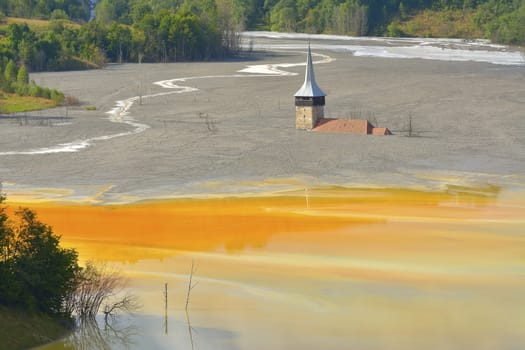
(36, 25)
(20, 330)
(11, 103)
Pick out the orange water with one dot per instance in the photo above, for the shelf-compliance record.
(330, 268)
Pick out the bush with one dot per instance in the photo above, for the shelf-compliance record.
(35, 90)
(99, 288)
(57, 96)
(36, 273)
(394, 29)
(6, 86)
(71, 101)
(59, 14)
(46, 93)
(21, 89)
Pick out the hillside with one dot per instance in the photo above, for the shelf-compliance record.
(197, 30)
(500, 20)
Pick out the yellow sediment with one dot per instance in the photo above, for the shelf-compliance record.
(464, 235)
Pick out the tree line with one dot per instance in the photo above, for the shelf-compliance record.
(500, 20)
(121, 31)
(188, 30)
(77, 10)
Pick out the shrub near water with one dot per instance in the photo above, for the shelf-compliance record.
(37, 274)
(42, 286)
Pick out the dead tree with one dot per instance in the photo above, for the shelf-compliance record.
(191, 285)
(99, 289)
(410, 128)
(128, 304)
(166, 308)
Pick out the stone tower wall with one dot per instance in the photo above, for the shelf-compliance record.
(306, 117)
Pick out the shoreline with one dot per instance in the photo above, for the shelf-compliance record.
(253, 189)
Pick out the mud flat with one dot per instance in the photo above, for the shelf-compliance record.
(201, 128)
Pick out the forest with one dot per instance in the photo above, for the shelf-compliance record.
(88, 34)
(500, 20)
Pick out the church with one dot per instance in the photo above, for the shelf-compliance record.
(309, 110)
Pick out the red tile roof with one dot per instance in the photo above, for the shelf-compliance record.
(381, 131)
(344, 126)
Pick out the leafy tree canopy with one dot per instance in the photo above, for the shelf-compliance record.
(36, 273)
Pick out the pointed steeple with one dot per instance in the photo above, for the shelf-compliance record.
(310, 87)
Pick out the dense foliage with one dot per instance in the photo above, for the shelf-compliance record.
(36, 273)
(182, 30)
(501, 20)
(44, 9)
(122, 31)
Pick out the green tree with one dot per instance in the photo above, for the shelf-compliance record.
(6, 234)
(37, 274)
(22, 76)
(350, 18)
(105, 12)
(140, 10)
(10, 71)
(59, 14)
(74, 9)
(138, 41)
(119, 42)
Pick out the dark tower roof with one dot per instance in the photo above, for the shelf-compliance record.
(310, 87)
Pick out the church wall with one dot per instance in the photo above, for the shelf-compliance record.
(306, 117)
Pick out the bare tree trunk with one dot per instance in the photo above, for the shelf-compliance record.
(165, 308)
(190, 284)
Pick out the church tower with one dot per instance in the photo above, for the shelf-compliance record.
(309, 99)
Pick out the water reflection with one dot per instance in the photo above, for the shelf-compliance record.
(363, 269)
(90, 335)
(190, 330)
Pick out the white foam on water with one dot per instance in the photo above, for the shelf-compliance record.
(428, 52)
(459, 50)
(389, 40)
(273, 69)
